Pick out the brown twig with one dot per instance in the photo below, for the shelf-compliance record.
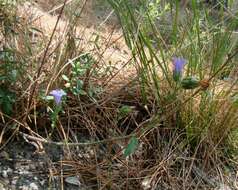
(42, 140)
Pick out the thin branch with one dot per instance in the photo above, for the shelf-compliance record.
(42, 140)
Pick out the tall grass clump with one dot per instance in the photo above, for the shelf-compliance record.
(199, 106)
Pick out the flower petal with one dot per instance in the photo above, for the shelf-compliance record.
(58, 94)
(178, 65)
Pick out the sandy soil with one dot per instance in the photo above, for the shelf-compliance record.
(96, 19)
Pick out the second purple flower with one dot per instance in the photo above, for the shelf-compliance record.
(178, 66)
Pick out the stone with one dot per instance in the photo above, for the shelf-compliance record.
(33, 186)
(4, 174)
(73, 180)
(223, 187)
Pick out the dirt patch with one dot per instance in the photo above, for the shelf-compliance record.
(113, 49)
(94, 13)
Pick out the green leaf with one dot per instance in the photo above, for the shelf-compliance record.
(7, 99)
(14, 75)
(131, 147)
(124, 111)
(65, 78)
(7, 107)
(47, 98)
(235, 101)
(3, 77)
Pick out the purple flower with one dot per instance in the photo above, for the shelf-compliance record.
(58, 94)
(178, 65)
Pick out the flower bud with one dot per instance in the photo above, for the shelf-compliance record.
(190, 82)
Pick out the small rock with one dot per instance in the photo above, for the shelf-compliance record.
(33, 186)
(6, 181)
(4, 174)
(9, 171)
(4, 155)
(23, 187)
(42, 182)
(24, 172)
(41, 165)
(223, 187)
(32, 167)
(14, 182)
(146, 184)
(73, 180)
(2, 187)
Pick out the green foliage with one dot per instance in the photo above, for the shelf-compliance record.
(12, 65)
(131, 147)
(7, 14)
(232, 144)
(155, 9)
(7, 4)
(9, 70)
(124, 111)
(9, 74)
(235, 100)
(7, 99)
(80, 70)
(54, 115)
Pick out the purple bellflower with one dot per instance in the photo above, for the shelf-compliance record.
(58, 94)
(178, 66)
